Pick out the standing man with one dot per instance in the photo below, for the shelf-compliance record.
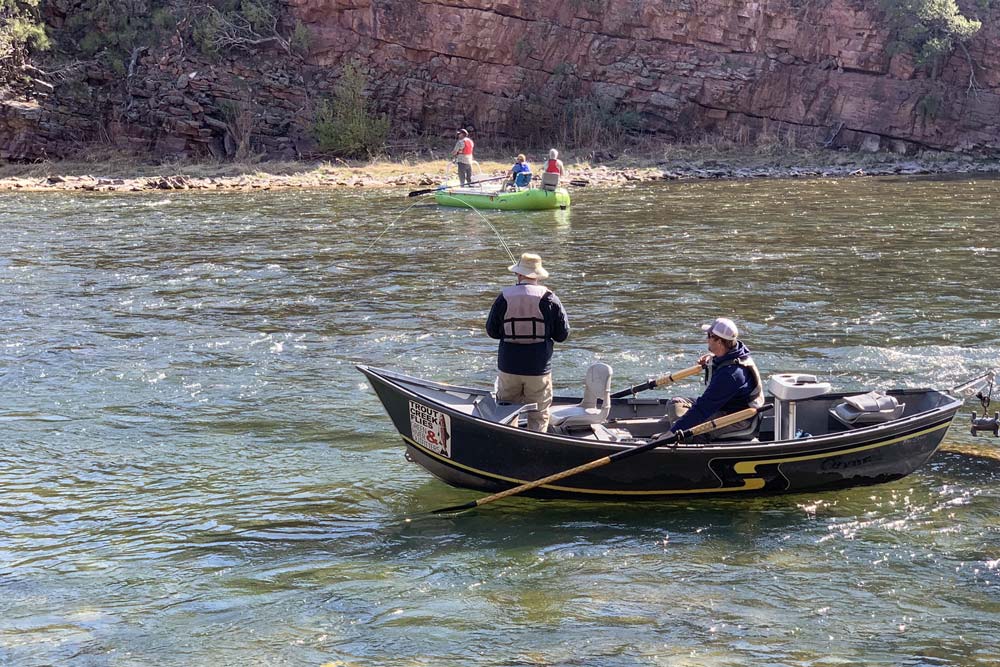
(462, 153)
(527, 318)
(733, 382)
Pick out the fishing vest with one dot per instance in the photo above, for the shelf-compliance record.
(552, 167)
(466, 146)
(756, 398)
(523, 323)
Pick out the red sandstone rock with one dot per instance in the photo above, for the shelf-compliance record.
(741, 68)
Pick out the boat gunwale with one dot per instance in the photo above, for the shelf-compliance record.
(816, 443)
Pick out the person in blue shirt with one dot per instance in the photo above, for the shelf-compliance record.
(732, 379)
(520, 174)
(527, 318)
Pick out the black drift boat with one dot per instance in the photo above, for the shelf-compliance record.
(812, 439)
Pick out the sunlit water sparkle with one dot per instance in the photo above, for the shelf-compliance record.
(193, 473)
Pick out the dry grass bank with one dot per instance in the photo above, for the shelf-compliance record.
(711, 158)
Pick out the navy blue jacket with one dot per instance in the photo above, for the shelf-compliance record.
(728, 391)
(536, 358)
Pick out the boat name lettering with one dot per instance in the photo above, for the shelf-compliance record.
(431, 428)
(836, 464)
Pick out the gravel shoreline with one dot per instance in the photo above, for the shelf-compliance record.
(401, 176)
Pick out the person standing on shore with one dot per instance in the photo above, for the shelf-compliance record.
(527, 318)
(462, 154)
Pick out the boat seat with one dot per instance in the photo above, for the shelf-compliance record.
(550, 180)
(597, 385)
(517, 410)
(867, 409)
(749, 432)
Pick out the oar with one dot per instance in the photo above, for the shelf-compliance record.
(705, 427)
(659, 382)
(445, 187)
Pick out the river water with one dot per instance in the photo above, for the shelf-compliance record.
(192, 472)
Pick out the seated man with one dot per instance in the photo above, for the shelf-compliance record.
(520, 174)
(733, 383)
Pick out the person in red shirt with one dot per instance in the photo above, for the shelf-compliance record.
(555, 165)
(554, 171)
(462, 154)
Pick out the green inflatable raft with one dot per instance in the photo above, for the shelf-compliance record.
(531, 199)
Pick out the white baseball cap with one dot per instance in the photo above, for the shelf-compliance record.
(723, 327)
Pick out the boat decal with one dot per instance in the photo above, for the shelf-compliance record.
(750, 467)
(431, 429)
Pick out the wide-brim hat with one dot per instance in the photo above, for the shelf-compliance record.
(529, 266)
(722, 327)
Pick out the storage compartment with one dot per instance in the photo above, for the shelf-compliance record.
(796, 386)
(787, 388)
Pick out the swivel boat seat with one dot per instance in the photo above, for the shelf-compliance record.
(747, 433)
(597, 385)
(550, 180)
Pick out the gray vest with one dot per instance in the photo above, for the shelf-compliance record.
(523, 323)
(757, 393)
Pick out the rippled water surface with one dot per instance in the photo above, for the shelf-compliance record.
(192, 472)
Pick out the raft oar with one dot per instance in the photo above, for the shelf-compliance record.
(659, 382)
(445, 187)
(675, 438)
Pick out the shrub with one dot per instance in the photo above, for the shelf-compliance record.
(301, 38)
(344, 125)
(21, 31)
(930, 29)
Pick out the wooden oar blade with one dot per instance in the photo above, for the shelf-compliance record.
(416, 193)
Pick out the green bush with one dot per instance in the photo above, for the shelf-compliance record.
(112, 30)
(301, 38)
(929, 29)
(344, 125)
(21, 31)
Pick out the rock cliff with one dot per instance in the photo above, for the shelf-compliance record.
(810, 71)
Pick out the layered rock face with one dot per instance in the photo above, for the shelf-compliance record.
(809, 71)
(818, 69)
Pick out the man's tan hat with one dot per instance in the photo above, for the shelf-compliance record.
(529, 266)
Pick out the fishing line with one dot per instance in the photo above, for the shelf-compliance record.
(490, 224)
(394, 221)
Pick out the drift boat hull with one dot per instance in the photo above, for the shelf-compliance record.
(463, 437)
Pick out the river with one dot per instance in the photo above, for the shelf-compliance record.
(192, 472)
